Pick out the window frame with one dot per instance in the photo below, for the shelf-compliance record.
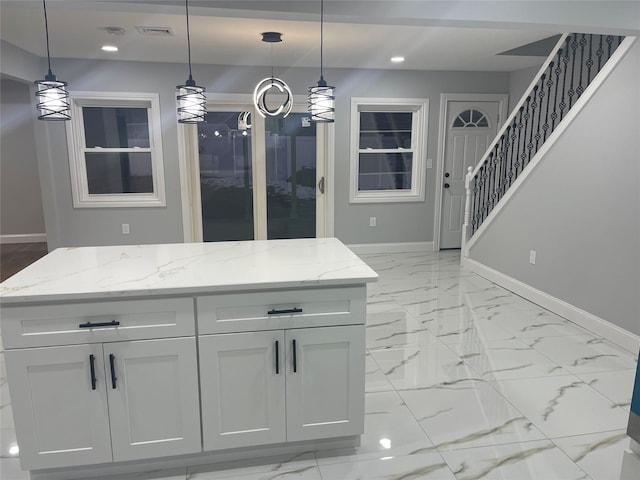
(419, 132)
(77, 149)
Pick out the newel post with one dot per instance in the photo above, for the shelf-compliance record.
(467, 212)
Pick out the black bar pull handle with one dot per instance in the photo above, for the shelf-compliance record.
(92, 360)
(277, 358)
(112, 323)
(288, 310)
(295, 360)
(112, 361)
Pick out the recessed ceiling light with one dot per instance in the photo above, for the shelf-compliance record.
(397, 59)
(109, 48)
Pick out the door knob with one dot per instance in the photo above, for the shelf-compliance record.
(446, 185)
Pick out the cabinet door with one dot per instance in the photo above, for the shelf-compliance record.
(242, 381)
(60, 414)
(325, 382)
(153, 397)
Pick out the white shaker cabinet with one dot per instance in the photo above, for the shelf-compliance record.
(283, 385)
(77, 403)
(60, 408)
(242, 388)
(153, 398)
(325, 393)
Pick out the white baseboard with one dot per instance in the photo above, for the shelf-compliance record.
(24, 238)
(405, 247)
(597, 325)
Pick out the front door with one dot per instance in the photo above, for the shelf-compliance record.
(471, 126)
(271, 163)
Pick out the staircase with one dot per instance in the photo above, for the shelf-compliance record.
(576, 61)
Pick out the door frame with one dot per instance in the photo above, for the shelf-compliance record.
(189, 166)
(445, 99)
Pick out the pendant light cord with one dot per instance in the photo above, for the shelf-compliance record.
(321, 35)
(186, 7)
(46, 29)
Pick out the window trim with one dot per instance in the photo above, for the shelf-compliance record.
(77, 165)
(419, 132)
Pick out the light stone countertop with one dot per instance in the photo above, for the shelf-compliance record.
(88, 273)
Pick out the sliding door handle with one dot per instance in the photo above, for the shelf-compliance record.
(92, 366)
(112, 361)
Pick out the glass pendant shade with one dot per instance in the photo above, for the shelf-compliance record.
(322, 103)
(52, 95)
(322, 98)
(192, 102)
(53, 99)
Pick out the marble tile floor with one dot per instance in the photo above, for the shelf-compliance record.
(464, 381)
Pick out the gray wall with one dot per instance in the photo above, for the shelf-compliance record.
(518, 83)
(580, 209)
(399, 222)
(20, 200)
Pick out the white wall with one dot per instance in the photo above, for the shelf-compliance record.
(20, 200)
(580, 209)
(409, 222)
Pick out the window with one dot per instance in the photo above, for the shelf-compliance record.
(471, 119)
(115, 150)
(387, 149)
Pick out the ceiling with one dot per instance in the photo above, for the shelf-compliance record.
(362, 34)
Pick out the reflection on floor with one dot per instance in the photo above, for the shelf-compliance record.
(464, 381)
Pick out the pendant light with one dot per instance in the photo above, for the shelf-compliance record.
(322, 100)
(192, 103)
(52, 94)
(265, 85)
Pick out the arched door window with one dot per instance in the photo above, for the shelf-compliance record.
(471, 118)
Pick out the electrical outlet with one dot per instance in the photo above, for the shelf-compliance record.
(532, 257)
(125, 229)
(372, 221)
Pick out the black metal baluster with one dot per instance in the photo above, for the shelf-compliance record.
(480, 194)
(518, 149)
(545, 126)
(571, 92)
(565, 61)
(554, 113)
(507, 159)
(609, 43)
(490, 173)
(600, 53)
(583, 43)
(541, 98)
(534, 105)
(501, 160)
(589, 62)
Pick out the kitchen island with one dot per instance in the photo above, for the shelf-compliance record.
(126, 358)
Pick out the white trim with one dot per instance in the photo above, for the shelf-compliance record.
(24, 238)
(406, 247)
(420, 132)
(445, 98)
(75, 143)
(593, 87)
(597, 325)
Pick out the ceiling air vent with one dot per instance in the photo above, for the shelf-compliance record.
(156, 31)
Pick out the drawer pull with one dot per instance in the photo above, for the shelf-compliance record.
(277, 358)
(288, 310)
(92, 360)
(112, 360)
(295, 360)
(112, 323)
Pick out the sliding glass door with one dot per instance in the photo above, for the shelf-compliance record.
(258, 181)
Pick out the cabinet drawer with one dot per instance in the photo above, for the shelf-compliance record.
(77, 323)
(281, 309)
